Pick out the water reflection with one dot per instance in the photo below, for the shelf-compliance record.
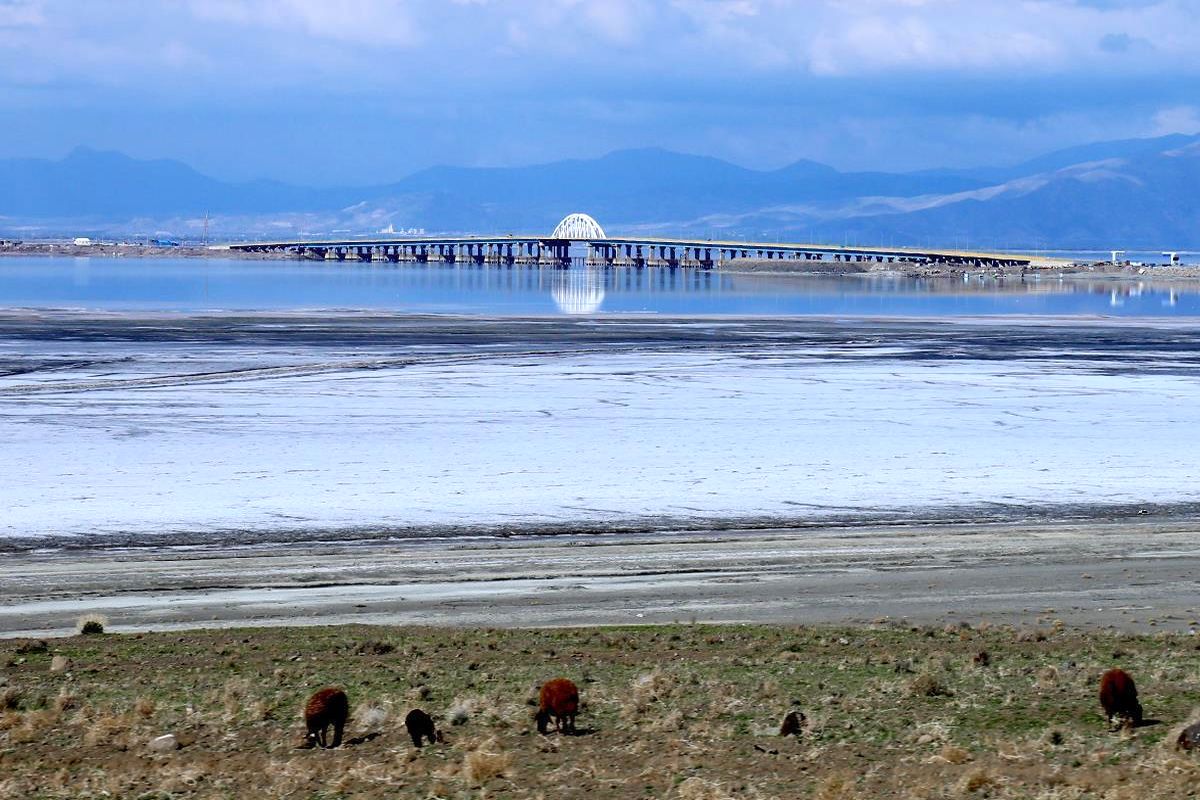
(578, 291)
(192, 285)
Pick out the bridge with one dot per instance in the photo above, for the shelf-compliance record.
(637, 251)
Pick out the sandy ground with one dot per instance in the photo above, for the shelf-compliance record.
(1138, 575)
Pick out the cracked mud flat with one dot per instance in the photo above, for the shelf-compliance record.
(178, 470)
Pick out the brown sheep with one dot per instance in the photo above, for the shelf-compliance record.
(326, 707)
(420, 727)
(1119, 698)
(793, 724)
(559, 698)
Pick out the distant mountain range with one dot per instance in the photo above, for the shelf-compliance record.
(1142, 193)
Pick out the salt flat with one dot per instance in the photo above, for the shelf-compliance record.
(120, 429)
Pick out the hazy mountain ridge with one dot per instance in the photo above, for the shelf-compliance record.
(1134, 193)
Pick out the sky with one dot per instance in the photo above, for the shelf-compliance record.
(329, 92)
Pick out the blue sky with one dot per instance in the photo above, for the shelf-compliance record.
(327, 92)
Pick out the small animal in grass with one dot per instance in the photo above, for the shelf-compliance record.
(420, 727)
(559, 699)
(327, 707)
(1119, 698)
(793, 724)
(1189, 737)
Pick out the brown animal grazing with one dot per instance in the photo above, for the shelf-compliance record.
(420, 727)
(559, 698)
(1118, 696)
(793, 723)
(327, 707)
(1189, 737)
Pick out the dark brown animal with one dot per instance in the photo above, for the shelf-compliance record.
(559, 698)
(1189, 737)
(1119, 698)
(420, 727)
(325, 708)
(793, 724)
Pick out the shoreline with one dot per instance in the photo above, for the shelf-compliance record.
(1128, 575)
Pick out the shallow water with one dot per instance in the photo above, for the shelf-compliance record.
(215, 284)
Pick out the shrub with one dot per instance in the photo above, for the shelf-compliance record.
(485, 762)
(91, 624)
(926, 685)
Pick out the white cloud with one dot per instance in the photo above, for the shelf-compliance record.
(1178, 119)
(20, 13)
(266, 41)
(369, 22)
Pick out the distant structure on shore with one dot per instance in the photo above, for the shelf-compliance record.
(639, 251)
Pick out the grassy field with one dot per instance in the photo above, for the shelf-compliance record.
(688, 712)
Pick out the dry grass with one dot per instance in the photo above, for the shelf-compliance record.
(697, 788)
(487, 761)
(688, 712)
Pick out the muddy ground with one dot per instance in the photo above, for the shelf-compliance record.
(1137, 574)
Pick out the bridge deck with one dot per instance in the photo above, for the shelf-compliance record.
(625, 249)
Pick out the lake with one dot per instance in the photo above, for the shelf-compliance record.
(190, 285)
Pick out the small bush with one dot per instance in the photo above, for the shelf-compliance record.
(976, 781)
(30, 646)
(696, 788)
(953, 754)
(462, 710)
(485, 762)
(144, 707)
(370, 716)
(10, 698)
(65, 700)
(926, 685)
(91, 624)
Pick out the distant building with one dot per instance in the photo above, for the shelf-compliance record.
(82, 241)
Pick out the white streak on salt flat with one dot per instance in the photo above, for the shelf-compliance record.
(597, 437)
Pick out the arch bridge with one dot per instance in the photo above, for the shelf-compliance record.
(638, 251)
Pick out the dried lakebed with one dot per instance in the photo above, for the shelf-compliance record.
(177, 470)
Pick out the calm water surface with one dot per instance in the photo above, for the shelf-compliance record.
(211, 284)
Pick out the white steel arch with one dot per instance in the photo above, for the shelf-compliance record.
(578, 227)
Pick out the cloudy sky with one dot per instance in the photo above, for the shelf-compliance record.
(347, 91)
